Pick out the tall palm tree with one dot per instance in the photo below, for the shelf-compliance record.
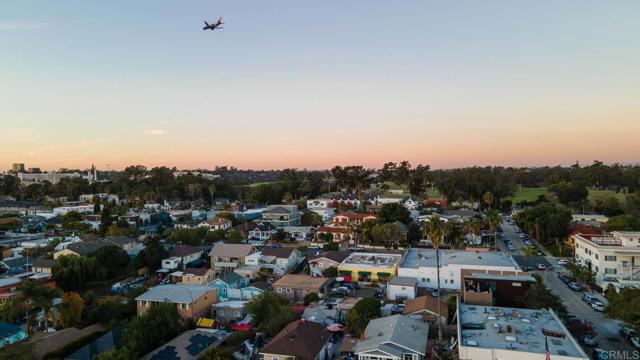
(488, 198)
(494, 221)
(434, 230)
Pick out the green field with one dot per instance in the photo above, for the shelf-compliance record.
(531, 194)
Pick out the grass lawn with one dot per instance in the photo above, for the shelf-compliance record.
(531, 194)
(262, 183)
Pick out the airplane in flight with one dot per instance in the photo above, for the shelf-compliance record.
(215, 25)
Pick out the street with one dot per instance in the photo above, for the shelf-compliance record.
(606, 328)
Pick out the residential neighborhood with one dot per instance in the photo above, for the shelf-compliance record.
(335, 180)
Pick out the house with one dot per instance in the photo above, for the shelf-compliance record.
(396, 337)
(590, 218)
(370, 267)
(330, 259)
(420, 264)
(411, 204)
(487, 333)
(186, 253)
(347, 218)
(229, 285)
(82, 248)
(171, 263)
(130, 245)
(260, 231)
(614, 259)
(300, 233)
(282, 215)
(253, 290)
(10, 334)
(325, 213)
(300, 340)
(296, 286)
(495, 289)
(457, 216)
(352, 200)
(318, 203)
(197, 276)
(425, 308)
(43, 265)
(401, 288)
(226, 257)
(229, 312)
(284, 258)
(190, 345)
(216, 224)
(334, 233)
(191, 301)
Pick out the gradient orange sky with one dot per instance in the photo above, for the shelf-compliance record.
(311, 86)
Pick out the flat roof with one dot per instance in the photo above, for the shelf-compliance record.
(486, 276)
(402, 280)
(361, 259)
(515, 329)
(427, 258)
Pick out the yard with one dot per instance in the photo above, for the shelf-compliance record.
(531, 194)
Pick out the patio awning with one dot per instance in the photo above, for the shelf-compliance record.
(364, 272)
(345, 272)
(384, 274)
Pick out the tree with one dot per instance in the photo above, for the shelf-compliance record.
(71, 309)
(569, 192)
(394, 212)
(113, 260)
(434, 229)
(105, 219)
(488, 199)
(331, 246)
(622, 223)
(331, 272)
(72, 272)
(96, 204)
(151, 256)
(311, 218)
(158, 325)
(413, 233)
(270, 312)
(311, 297)
(33, 295)
(234, 237)
(186, 237)
(217, 353)
(362, 312)
(494, 221)
(539, 297)
(121, 353)
(625, 306)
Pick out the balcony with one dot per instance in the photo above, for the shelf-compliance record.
(628, 271)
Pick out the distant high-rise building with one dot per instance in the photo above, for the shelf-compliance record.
(17, 167)
(34, 170)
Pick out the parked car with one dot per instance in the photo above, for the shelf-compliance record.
(340, 291)
(635, 341)
(626, 331)
(590, 340)
(575, 286)
(434, 292)
(589, 298)
(511, 247)
(597, 305)
(541, 266)
(563, 262)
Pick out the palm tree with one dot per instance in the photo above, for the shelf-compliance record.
(447, 229)
(494, 221)
(434, 229)
(488, 198)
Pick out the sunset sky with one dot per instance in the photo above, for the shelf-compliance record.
(314, 84)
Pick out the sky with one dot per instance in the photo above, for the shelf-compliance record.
(314, 84)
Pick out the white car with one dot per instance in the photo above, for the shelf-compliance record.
(597, 305)
(635, 341)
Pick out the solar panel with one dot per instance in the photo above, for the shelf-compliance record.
(168, 353)
(200, 342)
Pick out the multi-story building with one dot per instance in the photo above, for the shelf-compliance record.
(368, 267)
(191, 301)
(282, 215)
(421, 265)
(613, 259)
(227, 257)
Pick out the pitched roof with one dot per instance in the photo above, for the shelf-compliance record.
(42, 262)
(357, 216)
(302, 339)
(232, 250)
(217, 221)
(88, 247)
(184, 250)
(195, 271)
(394, 334)
(231, 277)
(280, 209)
(335, 256)
(425, 303)
(183, 294)
(283, 253)
(119, 240)
(299, 281)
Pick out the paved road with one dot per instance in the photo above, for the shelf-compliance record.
(606, 328)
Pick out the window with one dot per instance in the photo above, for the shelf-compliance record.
(288, 290)
(610, 271)
(596, 256)
(610, 258)
(408, 357)
(236, 313)
(221, 312)
(184, 306)
(279, 290)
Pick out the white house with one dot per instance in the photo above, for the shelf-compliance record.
(326, 213)
(283, 258)
(171, 263)
(216, 224)
(402, 288)
(420, 264)
(82, 209)
(614, 259)
(318, 203)
(396, 337)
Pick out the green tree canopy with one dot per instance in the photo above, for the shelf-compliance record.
(363, 311)
(394, 212)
